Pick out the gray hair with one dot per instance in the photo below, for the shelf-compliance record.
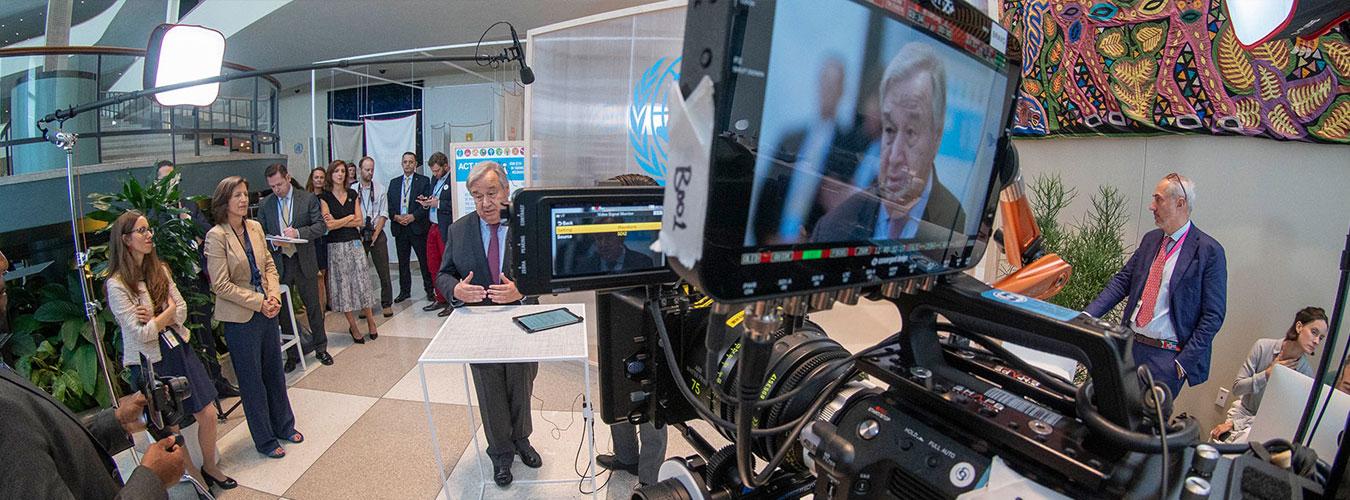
(482, 168)
(1175, 189)
(916, 56)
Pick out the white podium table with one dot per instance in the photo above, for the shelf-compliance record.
(486, 334)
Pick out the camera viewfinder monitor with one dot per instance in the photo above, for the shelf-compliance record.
(576, 239)
(854, 142)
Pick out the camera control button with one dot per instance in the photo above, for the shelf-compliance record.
(868, 429)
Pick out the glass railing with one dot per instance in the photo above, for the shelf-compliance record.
(36, 81)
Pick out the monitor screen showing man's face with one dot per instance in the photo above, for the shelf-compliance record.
(909, 141)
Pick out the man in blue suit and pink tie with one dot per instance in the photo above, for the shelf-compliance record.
(1176, 288)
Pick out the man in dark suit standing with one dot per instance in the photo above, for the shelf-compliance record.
(49, 453)
(295, 213)
(1176, 286)
(410, 226)
(474, 272)
(433, 200)
(907, 201)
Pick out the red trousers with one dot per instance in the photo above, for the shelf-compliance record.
(435, 250)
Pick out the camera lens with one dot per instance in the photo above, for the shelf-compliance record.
(670, 489)
(804, 357)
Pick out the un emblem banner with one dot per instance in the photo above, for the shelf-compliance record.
(648, 133)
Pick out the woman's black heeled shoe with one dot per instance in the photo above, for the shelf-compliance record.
(374, 335)
(225, 484)
(356, 339)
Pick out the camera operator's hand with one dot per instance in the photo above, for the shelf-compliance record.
(469, 292)
(290, 232)
(167, 460)
(504, 293)
(130, 409)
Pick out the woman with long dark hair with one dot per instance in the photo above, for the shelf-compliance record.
(248, 299)
(348, 272)
(150, 311)
(1299, 344)
(317, 184)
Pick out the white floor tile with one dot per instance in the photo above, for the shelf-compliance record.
(413, 322)
(445, 385)
(337, 342)
(321, 416)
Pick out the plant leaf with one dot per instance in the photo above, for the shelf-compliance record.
(26, 324)
(21, 344)
(58, 312)
(86, 365)
(70, 332)
(101, 394)
(24, 366)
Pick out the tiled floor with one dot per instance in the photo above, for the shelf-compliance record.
(366, 428)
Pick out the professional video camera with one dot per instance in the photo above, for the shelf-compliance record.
(164, 398)
(795, 211)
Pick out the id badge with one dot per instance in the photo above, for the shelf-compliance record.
(169, 338)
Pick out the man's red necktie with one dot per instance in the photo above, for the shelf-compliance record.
(1149, 299)
(494, 256)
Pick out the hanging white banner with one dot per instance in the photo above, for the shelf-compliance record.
(347, 142)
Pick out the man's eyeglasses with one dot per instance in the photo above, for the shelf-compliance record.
(1177, 177)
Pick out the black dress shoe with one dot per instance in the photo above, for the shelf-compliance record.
(609, 462)
(401, 297)
(325, 358)
(225, 484)
(445, 312)
(226, 390)
(289, 366)
(433, 306)
(501, 474)
(528, 456)
(431, 296)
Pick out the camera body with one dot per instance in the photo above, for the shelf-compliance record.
(164, 396)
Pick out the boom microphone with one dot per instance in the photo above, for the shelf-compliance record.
(526, 74)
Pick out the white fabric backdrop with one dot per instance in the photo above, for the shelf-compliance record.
(386, 141)
(347, 142)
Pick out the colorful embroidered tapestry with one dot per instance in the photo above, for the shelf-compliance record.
(1149, 66)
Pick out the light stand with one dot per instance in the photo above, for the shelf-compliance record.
(66, 142)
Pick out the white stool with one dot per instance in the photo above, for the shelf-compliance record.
(289, 341)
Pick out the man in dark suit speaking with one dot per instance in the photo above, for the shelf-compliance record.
(295, 213)
(410, 226)
(1176, 284)
(907, 201)
(474, 272)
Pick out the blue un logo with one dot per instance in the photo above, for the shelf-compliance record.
(648, 132)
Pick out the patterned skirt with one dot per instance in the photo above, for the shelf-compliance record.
(349, 285)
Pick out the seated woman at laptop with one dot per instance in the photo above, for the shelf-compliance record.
(1299, 344)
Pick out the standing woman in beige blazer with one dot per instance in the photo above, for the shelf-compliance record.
(248, 298)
